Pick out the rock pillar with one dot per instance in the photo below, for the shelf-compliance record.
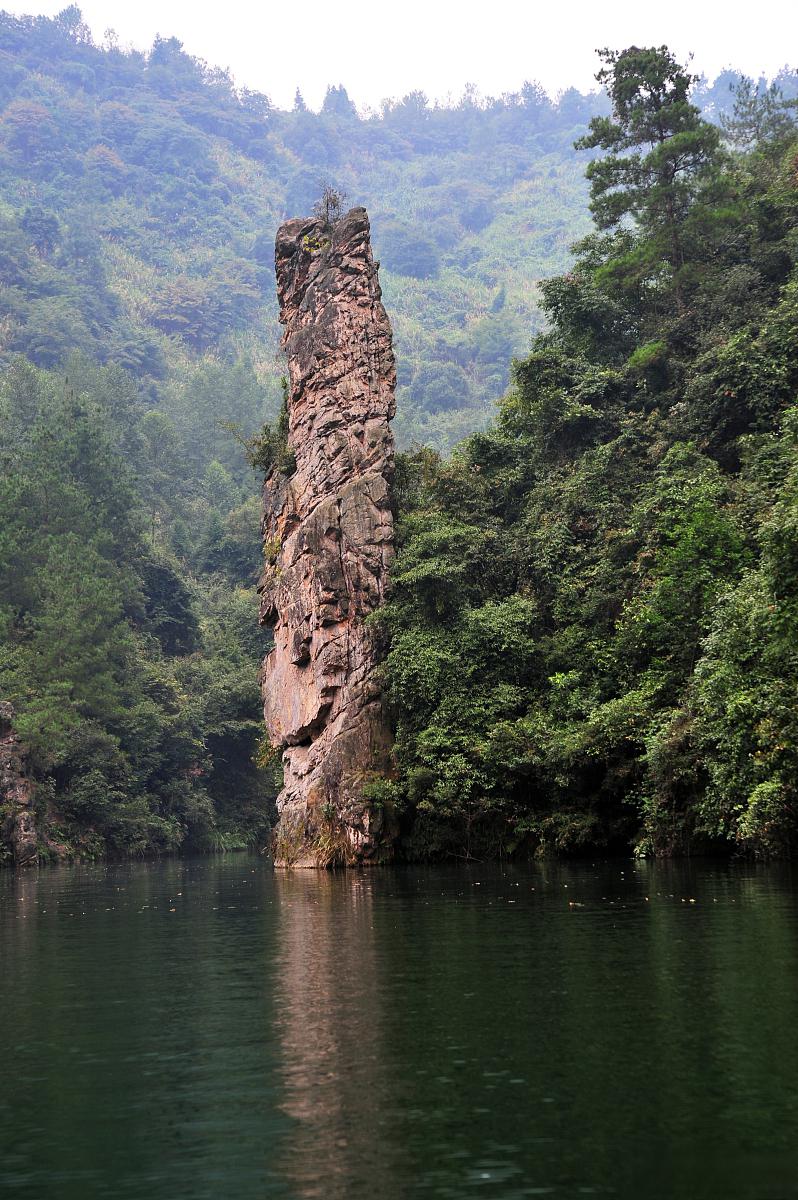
(328, 543)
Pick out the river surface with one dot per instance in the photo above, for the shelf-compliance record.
(206, 1028)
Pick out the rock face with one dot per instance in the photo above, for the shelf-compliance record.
(328, 543)
(16, 793)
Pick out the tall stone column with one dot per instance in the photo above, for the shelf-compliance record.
(328, 543)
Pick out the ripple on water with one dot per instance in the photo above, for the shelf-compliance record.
(205, 1028)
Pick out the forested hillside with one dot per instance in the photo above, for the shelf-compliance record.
(142, 194)
(594, 627)
(138, 342)
(139, 357)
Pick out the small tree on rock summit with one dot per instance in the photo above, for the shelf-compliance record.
(329, 208)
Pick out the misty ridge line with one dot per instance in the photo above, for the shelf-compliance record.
(337, 101)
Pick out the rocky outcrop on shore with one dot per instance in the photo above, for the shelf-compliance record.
(328, 543)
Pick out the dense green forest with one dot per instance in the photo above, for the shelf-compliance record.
(592, 557)
(142, 192)
(594, 626)
(138, 353)
(138, 349)
(134, 681)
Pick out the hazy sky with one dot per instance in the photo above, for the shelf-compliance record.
(384, 50)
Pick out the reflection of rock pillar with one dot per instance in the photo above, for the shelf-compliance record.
(328, 533)
(330, 1036)
(16, 791)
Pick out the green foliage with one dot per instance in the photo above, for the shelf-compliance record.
(135, 693)
(408, 252)
(142, 193)
(660, 151)
(269, 450)
(760, 114)
(593, 622)
(167, 185)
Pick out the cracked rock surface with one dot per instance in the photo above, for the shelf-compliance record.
(328, 534)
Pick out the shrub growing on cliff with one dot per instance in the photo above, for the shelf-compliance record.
(269, 450)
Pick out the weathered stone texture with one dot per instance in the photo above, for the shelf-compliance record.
(328, 534)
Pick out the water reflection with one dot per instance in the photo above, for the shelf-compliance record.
(197, 1030)
(621, 1030)
(135, 1000)
(331, 1026)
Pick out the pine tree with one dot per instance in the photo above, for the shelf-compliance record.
(660, 150)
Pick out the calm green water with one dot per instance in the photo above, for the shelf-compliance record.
(207, 1028)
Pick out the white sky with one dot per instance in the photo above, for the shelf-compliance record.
(440, 45)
